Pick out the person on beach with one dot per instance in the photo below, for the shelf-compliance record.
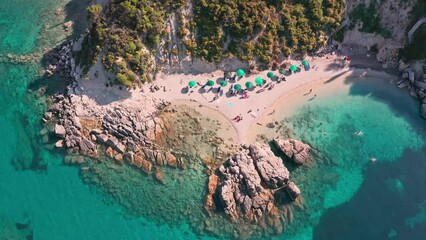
(205, 85)
(215, 98)
(310, 91)
(238, 118)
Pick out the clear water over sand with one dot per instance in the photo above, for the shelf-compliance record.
(347, 196)
(389, 133)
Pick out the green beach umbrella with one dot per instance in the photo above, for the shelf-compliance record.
(192, 83)
(223, 83)
(249, 85)
(258, 81)
(210, 83)
(270, 74)
(293, 68)
(305, 63)
(240, 72)
(237, 87)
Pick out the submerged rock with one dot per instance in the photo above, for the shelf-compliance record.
(209, 204)
(423, 110)
(294, 150)
(158, 175)
(59, 144)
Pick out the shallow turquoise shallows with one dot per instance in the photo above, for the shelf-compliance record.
(55, 202)
(347, 196)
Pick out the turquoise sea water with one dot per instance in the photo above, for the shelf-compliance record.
(344, 172)
(53, 201)
(346, 195)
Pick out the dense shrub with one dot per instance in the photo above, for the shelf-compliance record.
(368, 17)
(259, 30)
(416, 50)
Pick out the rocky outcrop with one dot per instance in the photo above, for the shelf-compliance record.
(245, 186)
(271, 168)
(227, 198)
(60, 131)
(416, 84)
(209, 204)
(292, 190)
(145, 165)
(294, 150)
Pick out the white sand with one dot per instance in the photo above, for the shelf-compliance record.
(261, 104)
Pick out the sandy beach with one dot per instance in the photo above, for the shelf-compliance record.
(257, 110)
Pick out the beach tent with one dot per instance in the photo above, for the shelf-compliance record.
(293, 68)
(270, 75)
(210, 83)
(258, 81)
(305, 63)
(249, 85)
(192, 83)
(237, 87)
(240, 72)
(223, 83)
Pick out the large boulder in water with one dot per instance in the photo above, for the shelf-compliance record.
(270, 167)
(60, 131)
(423, 110)
(292, 190)
(294, 150)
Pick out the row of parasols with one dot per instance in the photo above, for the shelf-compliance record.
(249, 85)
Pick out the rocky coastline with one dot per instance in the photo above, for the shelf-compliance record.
(415, 83)
(253, 186)
(119, 133)
(247, 184)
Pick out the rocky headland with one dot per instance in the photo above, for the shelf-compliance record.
(254, 185)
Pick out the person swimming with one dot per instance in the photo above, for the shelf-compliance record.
(359, 133)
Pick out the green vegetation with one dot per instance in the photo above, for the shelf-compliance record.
(94, 11)
(263, 30)
(368, 17)
(416, 50)
(129, 34)
(417, 12)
